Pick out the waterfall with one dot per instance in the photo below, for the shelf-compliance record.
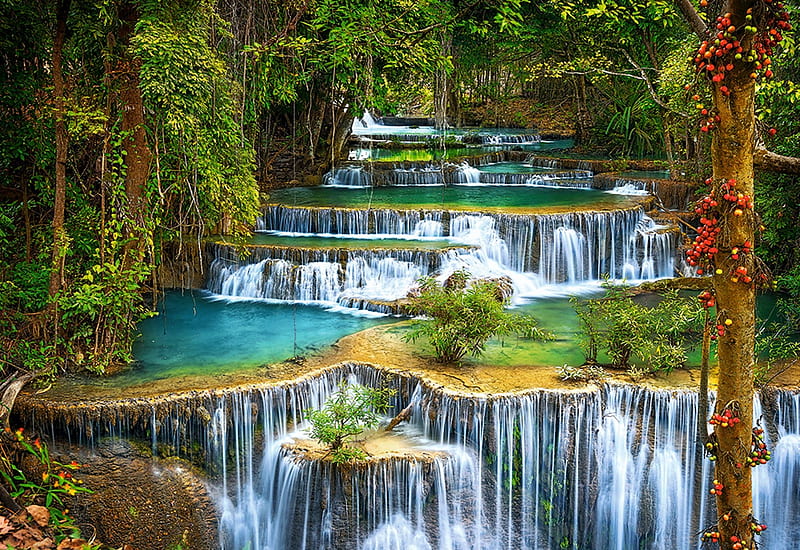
(366, 122)
(326, 276)
(501, 139)
(625, 186)
(347, 176)
(468, 175)
(587, 245)
(609, 467)
(428, 174)
(531, 250)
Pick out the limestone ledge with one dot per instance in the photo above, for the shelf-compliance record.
(380, 350)
(633, 203)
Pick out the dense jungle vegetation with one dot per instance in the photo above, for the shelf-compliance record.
(131, 129)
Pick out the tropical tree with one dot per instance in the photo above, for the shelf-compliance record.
(351, 410)
(738, 44)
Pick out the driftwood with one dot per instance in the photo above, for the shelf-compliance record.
(10, 389)
(405, 414)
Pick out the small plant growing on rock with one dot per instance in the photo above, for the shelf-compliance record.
(462, 315)
(350, 411)
(583, 373)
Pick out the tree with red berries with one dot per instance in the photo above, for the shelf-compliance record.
(736, 50)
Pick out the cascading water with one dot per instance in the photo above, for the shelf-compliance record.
(366, 274)
(597, 468)
(610, 467)
(357, 175)
(626, 186)
(531, 250)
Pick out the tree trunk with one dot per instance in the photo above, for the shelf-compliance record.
(440, 89)
(583, 118)
(138, 154)
(732, 151)
(62, 143)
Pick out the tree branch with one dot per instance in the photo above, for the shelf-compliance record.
(693, 18)
(773, 162)
(650, 86)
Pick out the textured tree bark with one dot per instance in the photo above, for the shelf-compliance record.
(773, 162)
(138, 154)
(732, 149)
(62, 143)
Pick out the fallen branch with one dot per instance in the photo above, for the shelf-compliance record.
(403, 415)
(10, 390)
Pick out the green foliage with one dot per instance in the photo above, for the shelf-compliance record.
(583, 373)
(203, 160)
(101, 311)
(350, 411)
(649, 338)
(462, 317)
(633, 127)
(775, 343)
(57, 482)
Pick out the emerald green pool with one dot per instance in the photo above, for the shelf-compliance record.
(454, 197)
(448, 153)
(196, 335)
(513, 168)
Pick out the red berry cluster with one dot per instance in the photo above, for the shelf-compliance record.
(737, 543)
(707, 299)
(739, 201)
(716, 488)
(704, 246)
(759, 454)
(745, 248)
(729, 46)
(757, 527)
(720, 332)
(728, 417)
(712, 56)
(711, 536)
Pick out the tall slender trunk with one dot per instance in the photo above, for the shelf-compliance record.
(62, 143)
(137, 150)
(440, 91)
(583, 118)
(732, 150)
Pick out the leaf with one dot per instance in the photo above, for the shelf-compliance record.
(5, 525)
(72, 544)
(40, 514)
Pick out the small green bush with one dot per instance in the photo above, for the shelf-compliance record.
(350, 411)
(462, 315)
(648, 338)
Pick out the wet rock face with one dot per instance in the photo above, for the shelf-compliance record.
(143, 503)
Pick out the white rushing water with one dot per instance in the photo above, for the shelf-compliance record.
(609, 468)
(436, 174)
(542, 255)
